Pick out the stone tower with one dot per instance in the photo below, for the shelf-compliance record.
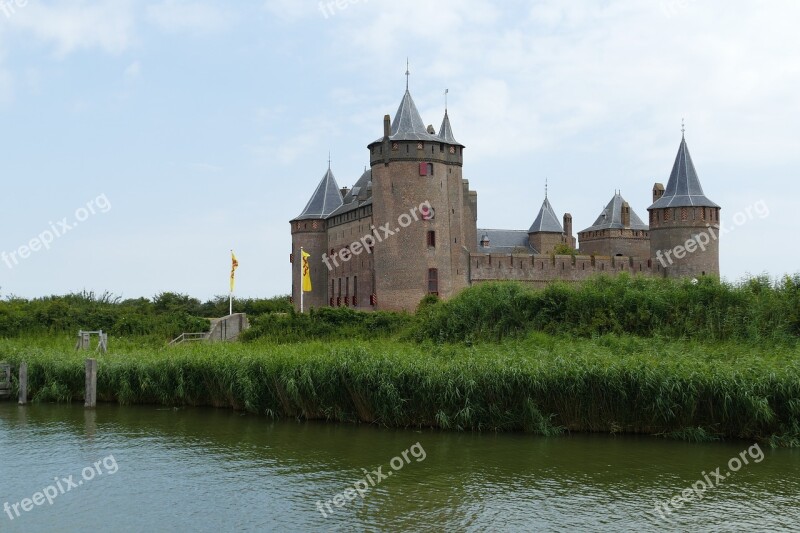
(309, 231)
(684, 223)
(546, 232)
(617, 231)
(419, 250)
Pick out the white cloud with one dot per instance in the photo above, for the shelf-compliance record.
(181, 16)
(76, 25)
(133, 72)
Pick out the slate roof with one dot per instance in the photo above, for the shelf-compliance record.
(683, 188)
(546, 221)
(504, 241)
(359, 195)
(446, 131)
(326, 199)
(408, 125)
(611, 217)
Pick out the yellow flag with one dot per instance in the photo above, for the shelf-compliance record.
(306, 272)
(234, 266)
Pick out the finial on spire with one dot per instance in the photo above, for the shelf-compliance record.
(329, 159)
(408, 73)
(545, 188)
(683, 129)
(446, 92)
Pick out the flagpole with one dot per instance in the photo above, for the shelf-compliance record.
(301, 280)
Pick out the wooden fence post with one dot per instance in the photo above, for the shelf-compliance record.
(23, 383)
(91, 383)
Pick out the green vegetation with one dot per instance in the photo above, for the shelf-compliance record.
(755, 311)
(539, 384)
(164, 317)
(695, 361)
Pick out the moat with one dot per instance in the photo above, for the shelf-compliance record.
(217, 470)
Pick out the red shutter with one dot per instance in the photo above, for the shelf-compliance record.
(423, 169)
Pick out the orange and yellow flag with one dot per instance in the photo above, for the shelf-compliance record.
(306, 272)
(234, 266)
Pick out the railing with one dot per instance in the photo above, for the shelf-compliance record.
(189, 337)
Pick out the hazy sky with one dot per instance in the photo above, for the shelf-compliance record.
(172, 131)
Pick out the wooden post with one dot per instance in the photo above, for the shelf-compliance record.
(91, 383)
(23, 383)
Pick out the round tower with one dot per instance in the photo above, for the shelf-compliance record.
(421, 211)
(310, 232)
(684, 223)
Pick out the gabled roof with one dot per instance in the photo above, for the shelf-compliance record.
(683, 188)
(546, 221)
(325, 200)
(611, 217)
(408, 125)
(504, 241)
(446, 131)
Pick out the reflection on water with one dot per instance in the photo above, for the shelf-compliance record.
(216, 470)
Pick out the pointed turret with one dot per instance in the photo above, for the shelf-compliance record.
(613, 217)
(684, 236)
(683, 188)
(446, 131)
(546, 221)
(326, 199)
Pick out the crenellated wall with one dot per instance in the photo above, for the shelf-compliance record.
(541, 269)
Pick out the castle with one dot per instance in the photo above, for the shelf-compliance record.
(408, 228)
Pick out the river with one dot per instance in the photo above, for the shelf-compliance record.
(117, 469)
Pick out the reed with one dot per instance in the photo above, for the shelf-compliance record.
(539, 383)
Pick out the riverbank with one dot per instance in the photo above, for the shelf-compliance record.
(539, 384)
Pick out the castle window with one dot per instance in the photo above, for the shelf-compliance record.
(433, 281)
(355, 291)
(340, 287)
(703, 214)
(431, 239)
(441, 147)
(333, 291)
(346, 290)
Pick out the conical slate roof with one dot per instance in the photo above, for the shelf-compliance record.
(611, 217)
(683, 188)
(446, 131)
(408, 125)
(546, 221)
(325, 200)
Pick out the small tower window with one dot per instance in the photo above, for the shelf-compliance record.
(431, 239)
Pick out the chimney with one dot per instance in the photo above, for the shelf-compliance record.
(568, 225)
(626, 215)
(344, 191)
(431, 130)
(658, 191)
(387, 125)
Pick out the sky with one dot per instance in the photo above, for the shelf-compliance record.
(141, 141)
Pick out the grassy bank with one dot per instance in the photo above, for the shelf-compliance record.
(539, 383)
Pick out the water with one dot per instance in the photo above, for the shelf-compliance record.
(216, 470)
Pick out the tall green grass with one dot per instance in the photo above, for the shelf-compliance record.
(540, 384)
(755, 310)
